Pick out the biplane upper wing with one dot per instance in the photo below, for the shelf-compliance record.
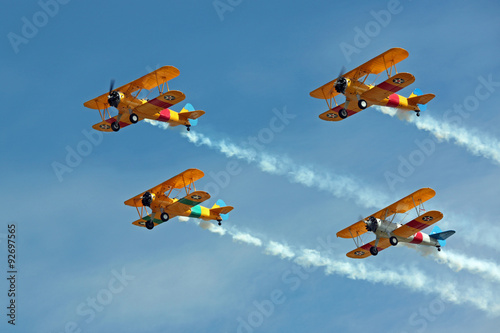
(374, 66)
(188, 202)
(400, 206)
(364, 251)
(182, 180)
(333, 114)
(148, 81)
(419, 223)
(161, 102)
(389, 87)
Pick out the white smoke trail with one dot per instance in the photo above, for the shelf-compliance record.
(160, 124)
(477, 143)
(338, 185)
(408, 277)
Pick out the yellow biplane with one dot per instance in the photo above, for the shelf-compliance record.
(389, 233)
(163, 208)
(131, 108)
(360, 95)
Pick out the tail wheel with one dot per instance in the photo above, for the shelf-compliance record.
(164, 217)
(343, 113)
(362, 104)
(150, 225)
(439, 248)
(133, 118)
(393, 240)
(373, 250)
(219, 222)
(188, 127)
(115, 126)
(418, 114)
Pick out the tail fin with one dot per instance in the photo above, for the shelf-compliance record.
(441, 235)
(416, 97)
(221, 209)
(189, 108)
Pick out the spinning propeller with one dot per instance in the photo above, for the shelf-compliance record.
(371, 224)
(341, 83)
(114, 96)
(147, 199)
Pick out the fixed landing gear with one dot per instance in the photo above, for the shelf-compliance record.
(362, 104)
(343, 113)
(188, 127)
(393, 240)
(373, 250)
(439, 249)
(164, 217)
(418, 113)
(115, 126)
(219, 222)
(133, 118)
(150, 225)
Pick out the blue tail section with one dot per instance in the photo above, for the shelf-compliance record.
(418, 92)
(188, 107)
(221, 203)
(441, 236)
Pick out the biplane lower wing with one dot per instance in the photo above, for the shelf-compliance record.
(388, 88)
(188, 202)
(401, 206)
(420, 223)
(105, 125)
(333, 114)
(156, 220)
(364, 251)
(164, 101)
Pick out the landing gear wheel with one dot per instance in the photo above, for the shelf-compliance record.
(219, 222)
(343, 113)
(115, 126)
(362, 104)
(373, 250)
(133, 118)
(393, 240)
(439, 248)
(188, 127)
(150, 225)
(164, 217)
(418, 114)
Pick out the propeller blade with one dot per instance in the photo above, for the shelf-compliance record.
(111, 85)
(342, 72)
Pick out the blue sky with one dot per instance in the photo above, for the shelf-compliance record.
(308, 181)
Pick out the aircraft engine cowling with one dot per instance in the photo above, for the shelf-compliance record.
(114, 98)
(371, 224)
(147, 199)
(341, 85)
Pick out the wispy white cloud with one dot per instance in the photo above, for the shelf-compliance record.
(479, 144)
(159, 124)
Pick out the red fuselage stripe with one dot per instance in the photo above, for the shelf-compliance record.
(393, 100)
(164, 115)
(417, 238)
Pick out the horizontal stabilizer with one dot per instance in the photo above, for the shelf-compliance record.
(422, 99)
(441, 236)
(221, 209)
